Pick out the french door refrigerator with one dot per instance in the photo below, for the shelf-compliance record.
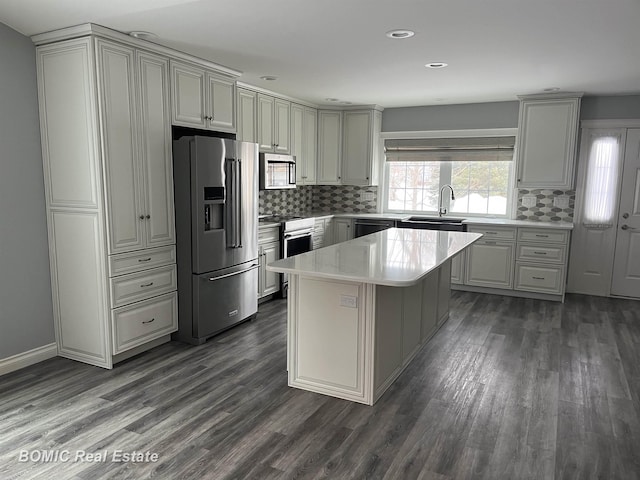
(216, 205)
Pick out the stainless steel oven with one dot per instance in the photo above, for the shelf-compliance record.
(297, 238)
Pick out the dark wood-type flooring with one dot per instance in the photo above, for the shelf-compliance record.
(509, 388)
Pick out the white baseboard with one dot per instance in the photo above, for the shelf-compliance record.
(24, 359)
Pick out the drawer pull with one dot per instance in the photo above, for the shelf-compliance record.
(490, 243)
(146, 285)
(538, 278)
(540, 253)
(491, 233)
(541, 235)
(144, 259)
(149, 321)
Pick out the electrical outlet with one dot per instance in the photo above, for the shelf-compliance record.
(348, 301)
(529, 201)
(561, 202)
(367, 196)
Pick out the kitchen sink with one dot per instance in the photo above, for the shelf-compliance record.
(450, 224)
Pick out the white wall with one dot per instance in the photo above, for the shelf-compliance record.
(26, 313)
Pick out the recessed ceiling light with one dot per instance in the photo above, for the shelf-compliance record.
(331, 99)
(269, 78)
(142, 35)
(551, 89)
(400, 33)
(436, 65)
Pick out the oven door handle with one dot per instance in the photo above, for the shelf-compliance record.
(293, 236)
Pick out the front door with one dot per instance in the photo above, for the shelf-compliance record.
(626, 266)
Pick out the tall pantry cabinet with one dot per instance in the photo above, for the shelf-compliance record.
(106, 139)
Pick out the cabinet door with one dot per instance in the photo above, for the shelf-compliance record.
(490, 264)
(246, 118)
(309, 145)
(297, 144)
(265, 123)
(547, 134)
(188, 94)
(281, 123)
(120, 146)
(329, 147)
(457, 268)
(356, 152)
(220, 104)
(155, 136)
(271, 253)
(342, 230)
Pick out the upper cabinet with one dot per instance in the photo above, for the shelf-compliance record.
(348, 150)
(329, 147)
(361, 132)
(546, 145)
(273, 124)
(246, 118)
(304, 128)
(133, 89)
(202, 99)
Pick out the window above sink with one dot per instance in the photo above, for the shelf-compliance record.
(482, 176)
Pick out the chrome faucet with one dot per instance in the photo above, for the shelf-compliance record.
(441, 210)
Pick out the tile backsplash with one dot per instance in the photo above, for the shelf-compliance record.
(318, 198)
(353, 199)
(543, 209)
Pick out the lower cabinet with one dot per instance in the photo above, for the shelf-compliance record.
(520, 259)
(342, 230)
(322, 233)
(268, 251)
(490, 264)
(268, 282)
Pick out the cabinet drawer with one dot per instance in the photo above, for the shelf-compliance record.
(268, 234)
(541, 253)
(141, 285)
(494, 233)
(543, 235)
(141, 322)
(536, 278)
(141, 260)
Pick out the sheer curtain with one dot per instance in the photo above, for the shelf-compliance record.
(601, 188)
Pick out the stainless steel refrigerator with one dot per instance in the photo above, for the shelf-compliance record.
(216, 204)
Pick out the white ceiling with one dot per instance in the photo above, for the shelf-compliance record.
(496, 49)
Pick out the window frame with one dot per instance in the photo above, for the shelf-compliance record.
(512, 193)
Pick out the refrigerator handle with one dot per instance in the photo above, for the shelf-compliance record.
(239, 203)
(230, 226)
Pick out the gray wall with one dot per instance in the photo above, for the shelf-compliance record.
(451, 117)
(497, 114)
(612, 107)
(26, 313)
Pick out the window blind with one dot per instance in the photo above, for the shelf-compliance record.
(601, 187)
(450, 149)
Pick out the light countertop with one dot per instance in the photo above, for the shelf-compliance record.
(394, 257)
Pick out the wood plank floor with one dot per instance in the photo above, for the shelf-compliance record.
(509, 388)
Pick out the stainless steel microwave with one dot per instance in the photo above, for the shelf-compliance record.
(277, 171)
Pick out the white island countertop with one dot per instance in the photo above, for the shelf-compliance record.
(396, 257)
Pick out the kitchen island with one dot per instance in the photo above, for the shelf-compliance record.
(359, 311)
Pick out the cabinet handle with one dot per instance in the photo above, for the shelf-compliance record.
(149, 321)
(490, 243)
(141, 217)
(538, 278)
(491, 233)
(144, 285)
(147, 217)
(540, 253)
(144, 259)
(541, 236)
